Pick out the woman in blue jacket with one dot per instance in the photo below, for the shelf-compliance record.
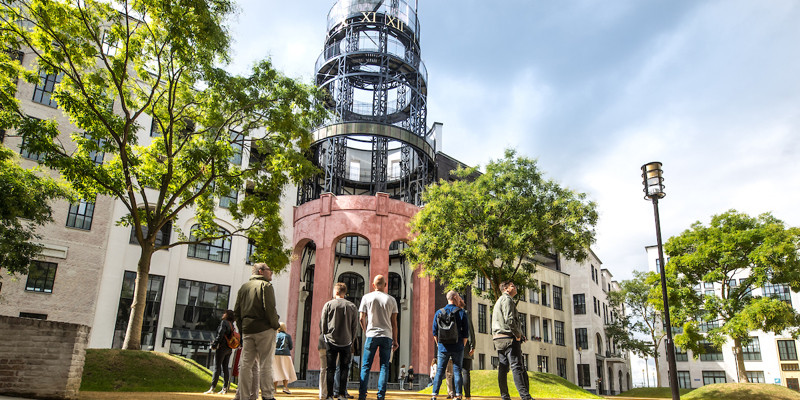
(282, 365)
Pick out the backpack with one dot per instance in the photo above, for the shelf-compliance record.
(235, 339)
(446, 327)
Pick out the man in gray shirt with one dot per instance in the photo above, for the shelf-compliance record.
(379, 320)
(508, 337)
(339, 325)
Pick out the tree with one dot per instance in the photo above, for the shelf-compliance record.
(639, 298)
(496, 224)
(121, 62)
(25, 197)
(761, 252)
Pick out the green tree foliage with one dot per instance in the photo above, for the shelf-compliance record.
(123, 62)
(758, 251)
(496, 224)
(25, 197)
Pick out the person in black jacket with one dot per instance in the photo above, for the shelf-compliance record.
(223, 355)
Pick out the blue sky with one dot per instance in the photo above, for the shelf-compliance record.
(595, 89)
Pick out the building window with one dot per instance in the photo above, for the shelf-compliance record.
(790, 367)
(218, 250)
(495, 362)
(778, 291)
(684, 380)
(584, 377)
(351, 245)
(561, 367)
(199, 306)
(33, 315)
(756, 376)
(523, 323)
(24, 152)
(521, 295)
(152, 310)
(680, 354)
(355, 170)
(481, 282)
(225, 201)
(94, 155)
(546, 330)
(534, 295)
(793, 383)
(525, 363)
(581, 339)
(41, 276)
(711, 353)
(237, 143)
(544, 295)
(579, 303)
(705, 326)
(251, 248)
(557, 298)
(155, 129)
(541, 362)
(594, 303)
(80, 215)
(482, 318)
(44, 89)
(752, 352)
(594, 279)
(109, 46)
(598, 344)
(712, 377)
(481, 361)
(558, 330)
(162, 237)
(787, 350)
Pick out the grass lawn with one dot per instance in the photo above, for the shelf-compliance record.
(143, 371)
(742, 391)
(484, 383)
(653, 392)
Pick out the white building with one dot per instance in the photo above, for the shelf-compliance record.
(601, 367)
(768, 358)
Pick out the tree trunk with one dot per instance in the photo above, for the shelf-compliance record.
(658, 372)
(133, 336)
(737, 351)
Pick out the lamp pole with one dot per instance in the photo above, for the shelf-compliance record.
(654, 190)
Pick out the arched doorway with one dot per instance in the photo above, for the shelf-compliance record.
(307, 263)
(619, 374)
(351, 267)
(395, 289)
(610, 381)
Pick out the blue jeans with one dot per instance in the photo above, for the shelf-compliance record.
(383, 345)
(441, 366)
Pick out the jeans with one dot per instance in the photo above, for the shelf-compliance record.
(221, 360)
(512, 357)
(466, 367)
(343, 354)
(382, 346)
(344, 376)
(444, 357)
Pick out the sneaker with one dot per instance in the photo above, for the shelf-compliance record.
(223, 391)
(285, 390)
(209, 391)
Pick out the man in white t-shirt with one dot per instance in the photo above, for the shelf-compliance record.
(378, 314)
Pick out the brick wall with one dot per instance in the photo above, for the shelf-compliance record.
(41, 359)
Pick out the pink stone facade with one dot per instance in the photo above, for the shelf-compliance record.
(381, 221)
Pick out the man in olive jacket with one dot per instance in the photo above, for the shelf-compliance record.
(258, 321)
(508, 337)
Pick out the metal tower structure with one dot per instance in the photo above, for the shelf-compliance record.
(376, 139)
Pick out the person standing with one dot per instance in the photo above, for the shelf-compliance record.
(469, 351)
(257, 318)
(378, 315)
(222, 356)
(507, 337)
(339, 324)
(410, 377)
(282, 365)
(450, 332)
(401, 377)
(432, 373)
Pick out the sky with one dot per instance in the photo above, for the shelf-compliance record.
(594, 90)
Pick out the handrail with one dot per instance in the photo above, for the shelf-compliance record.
(345, 9)
(365, 45)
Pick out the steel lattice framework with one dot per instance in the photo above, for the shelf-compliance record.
(377, 85)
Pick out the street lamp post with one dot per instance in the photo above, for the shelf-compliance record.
(654, 190)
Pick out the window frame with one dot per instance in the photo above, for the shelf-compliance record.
(579, 303)
(221, 249)
(41, 91)
(42, 283)
(83, 209)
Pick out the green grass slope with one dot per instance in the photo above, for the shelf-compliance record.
(742, 391)
(653, 392)
(143, 371)
(484, 383)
